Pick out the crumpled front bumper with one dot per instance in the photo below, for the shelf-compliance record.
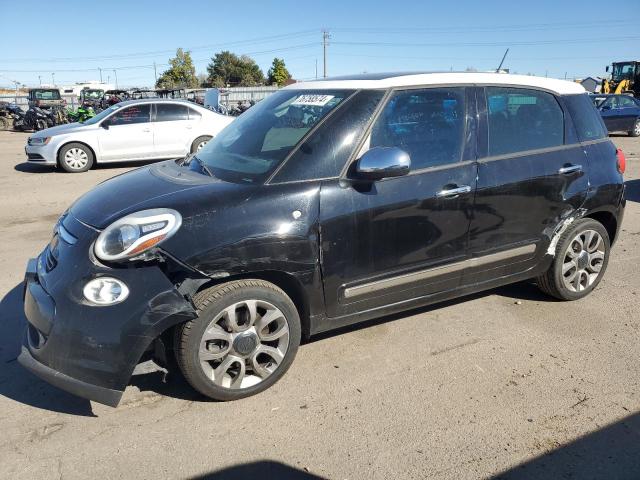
(91, 351)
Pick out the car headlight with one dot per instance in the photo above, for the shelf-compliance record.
(136, 233)
(39, 140)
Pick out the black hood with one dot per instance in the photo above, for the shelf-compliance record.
(164, 184)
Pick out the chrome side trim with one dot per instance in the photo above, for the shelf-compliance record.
(399, 280)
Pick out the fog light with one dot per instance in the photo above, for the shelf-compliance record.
(105, 291)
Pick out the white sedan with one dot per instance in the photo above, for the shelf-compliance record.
(148, 129)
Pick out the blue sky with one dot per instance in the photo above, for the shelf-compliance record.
(545, 37)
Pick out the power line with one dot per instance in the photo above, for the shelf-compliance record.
(259, 41)
(490, 44)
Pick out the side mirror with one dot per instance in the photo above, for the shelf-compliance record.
(605, 107)
(105, 124)
(606, 69)
(383, 162)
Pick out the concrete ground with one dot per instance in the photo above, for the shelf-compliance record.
(504, 384)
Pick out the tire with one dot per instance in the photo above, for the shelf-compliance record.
(584, 264)
(75, 158)
(215, 377)
(199, 142)
(636, 129)
(4, 123)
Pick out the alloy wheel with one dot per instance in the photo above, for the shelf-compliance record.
(76, 158)
(636, 128)
(200, 145)
(244, 344)
(583, 260)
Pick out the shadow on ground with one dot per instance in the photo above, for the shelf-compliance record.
(611, 453)
(20, 385)
(27, 167)
(264, 470)
(17, 383)
(632, 190)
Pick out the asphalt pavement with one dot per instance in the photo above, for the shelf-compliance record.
(504, 384)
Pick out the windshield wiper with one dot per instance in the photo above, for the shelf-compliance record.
(201, 164)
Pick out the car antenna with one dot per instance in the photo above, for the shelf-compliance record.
(502, 61)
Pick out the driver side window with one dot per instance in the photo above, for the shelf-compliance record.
(428, 124)
(130, 115)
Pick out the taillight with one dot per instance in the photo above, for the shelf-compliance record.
(622, 161)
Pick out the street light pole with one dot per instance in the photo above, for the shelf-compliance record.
(40, 79)
(53, 78)
(116, 75)
(100, 70)
(325, 43)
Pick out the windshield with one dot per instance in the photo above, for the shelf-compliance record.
(622, 71)
(93, 93)
(254, 144)
(105, 113)
(47, 94)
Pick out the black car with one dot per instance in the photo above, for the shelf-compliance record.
(326, 204)
(621, 113)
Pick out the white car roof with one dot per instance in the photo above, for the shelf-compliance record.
(411, 79)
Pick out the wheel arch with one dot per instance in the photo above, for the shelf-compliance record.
(62, 145)
(608, 221)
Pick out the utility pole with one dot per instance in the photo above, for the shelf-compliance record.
(325, 43)
(53, 78)
(316, 68)
(40, 79)
(116, 75)
(100, 70)
(155, 72)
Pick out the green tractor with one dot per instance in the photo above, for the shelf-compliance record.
(625, 79)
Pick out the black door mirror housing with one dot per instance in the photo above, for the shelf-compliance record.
(105, 124)
(605, 107)
(383, 162)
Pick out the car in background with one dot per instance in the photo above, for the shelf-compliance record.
(621, 113)
(148, 129)
(45, 98)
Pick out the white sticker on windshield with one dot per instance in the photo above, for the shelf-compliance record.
(312, 100)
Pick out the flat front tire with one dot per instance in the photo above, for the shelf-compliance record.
(243, 341)
(581, 258)
(75, 158)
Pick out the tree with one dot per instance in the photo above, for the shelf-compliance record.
(278, 73)
(227, 68)
(181, 73)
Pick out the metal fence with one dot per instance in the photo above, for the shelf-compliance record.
(23, 101)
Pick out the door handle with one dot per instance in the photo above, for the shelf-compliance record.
(453, 192)
(146, 129)
(189, 127)
(570, 169)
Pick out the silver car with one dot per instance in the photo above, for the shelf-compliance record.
(148, 129)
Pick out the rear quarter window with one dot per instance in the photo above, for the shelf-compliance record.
(586, 119)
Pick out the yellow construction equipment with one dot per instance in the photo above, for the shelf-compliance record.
(625, 78)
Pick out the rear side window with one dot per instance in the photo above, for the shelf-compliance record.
(522, 119)
(586, 119)
(194, 114)
(428, 124)
(170, 112)
(324, 153)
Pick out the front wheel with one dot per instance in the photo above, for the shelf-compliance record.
(636, 129)
(243, 341)
(199, 142)
(75, 158)
(581, 258)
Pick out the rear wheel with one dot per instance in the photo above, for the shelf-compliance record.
(199, 142)
(580, 261)
(244, 339)
(636, 129)
(75, 158)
